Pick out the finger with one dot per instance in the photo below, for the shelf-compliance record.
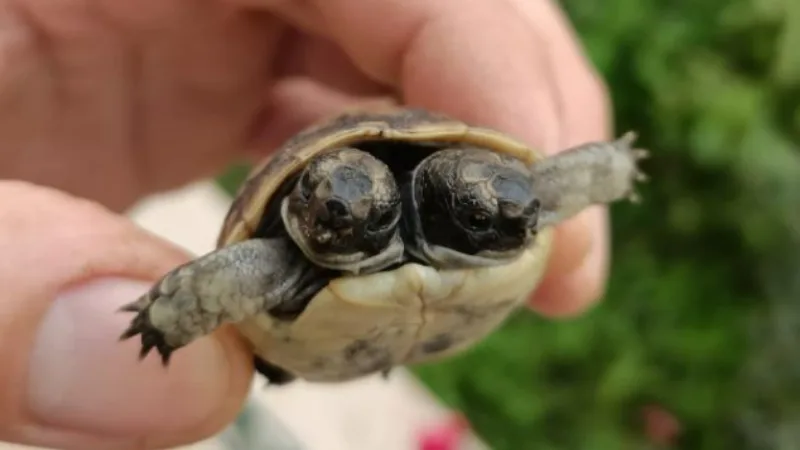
(577, 271)
(580, 93)
(478, 61)
(147, 95)
(571, 291)
(314, 57)
(67, 382)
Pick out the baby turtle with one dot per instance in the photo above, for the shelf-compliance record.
(378, 239)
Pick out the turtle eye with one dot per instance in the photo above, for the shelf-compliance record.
(532, 213)
(478, 221)
(385, 220)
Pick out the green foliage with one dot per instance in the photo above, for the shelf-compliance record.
(698, 317)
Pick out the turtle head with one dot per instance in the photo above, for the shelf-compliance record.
(344, 210)
(471, 207)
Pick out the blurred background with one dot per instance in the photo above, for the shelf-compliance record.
(696, 344)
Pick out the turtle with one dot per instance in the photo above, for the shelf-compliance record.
(380, 238)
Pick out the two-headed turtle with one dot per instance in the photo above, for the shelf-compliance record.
(379, 239)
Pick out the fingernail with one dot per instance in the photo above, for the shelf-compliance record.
(82, 378)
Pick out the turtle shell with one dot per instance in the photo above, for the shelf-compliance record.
(358, 325)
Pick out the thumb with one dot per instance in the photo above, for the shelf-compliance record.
(67, 382)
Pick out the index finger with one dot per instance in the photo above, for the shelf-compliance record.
(479, 61)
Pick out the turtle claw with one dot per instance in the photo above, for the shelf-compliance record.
(172, 315)
(139, 305)
(628, 138)
(151, 337)
(625, 143)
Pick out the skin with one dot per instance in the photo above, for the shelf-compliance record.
(104, 105)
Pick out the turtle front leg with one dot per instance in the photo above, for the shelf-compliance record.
(226, 285)
(589, 174)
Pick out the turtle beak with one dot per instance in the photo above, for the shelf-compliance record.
(317, 216)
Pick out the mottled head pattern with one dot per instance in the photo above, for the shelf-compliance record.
(343, 209)
(474, 207)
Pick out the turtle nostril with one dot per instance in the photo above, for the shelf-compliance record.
(334, 214)
(336, 208)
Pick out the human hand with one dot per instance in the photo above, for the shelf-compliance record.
(110, 101)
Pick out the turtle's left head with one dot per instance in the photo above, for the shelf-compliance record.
(344, 208)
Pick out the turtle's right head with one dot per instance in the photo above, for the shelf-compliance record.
(472, 207)
(344, 211)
